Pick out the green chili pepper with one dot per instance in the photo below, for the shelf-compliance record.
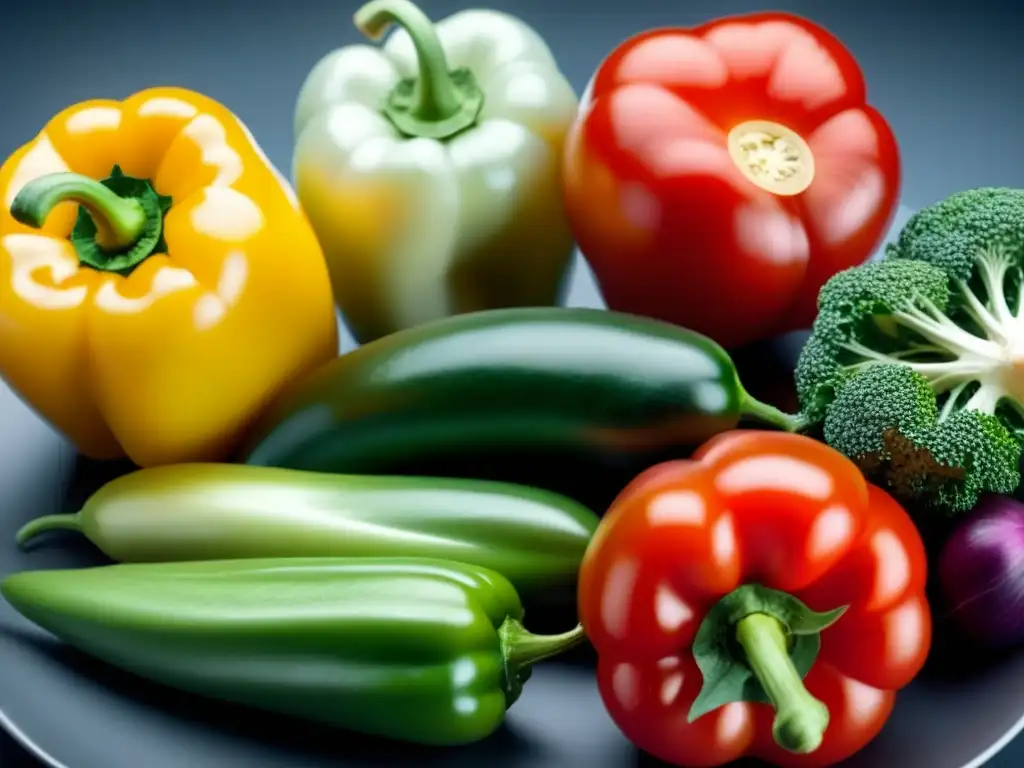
(566, 399)
(417, 650)
(534, 538)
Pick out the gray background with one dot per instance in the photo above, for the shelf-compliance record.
(949, 78)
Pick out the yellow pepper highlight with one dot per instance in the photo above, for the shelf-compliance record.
(153, 315)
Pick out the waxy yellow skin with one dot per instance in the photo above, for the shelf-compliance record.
(170, 363)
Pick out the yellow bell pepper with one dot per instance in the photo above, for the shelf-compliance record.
(153, 314)
(431, 167)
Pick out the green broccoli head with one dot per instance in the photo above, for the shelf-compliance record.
(887, 420)
(854, 307)
(818, 376)
(915, 365)
(950, 233)
(979, 445)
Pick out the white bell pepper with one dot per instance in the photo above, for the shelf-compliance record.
(430, 167)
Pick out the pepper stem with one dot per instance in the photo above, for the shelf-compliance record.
(800, 719)
(758, 644)
(438, 102)
(521, 649)
(45, 524)
(769, 414)
(119, 222)
(120, 219)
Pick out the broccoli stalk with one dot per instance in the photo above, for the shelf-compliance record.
(915, 367)
(993, 358)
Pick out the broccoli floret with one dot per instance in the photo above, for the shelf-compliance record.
(854, 306)
(818, 376)
(915, 366)
(881, 399)
(887, 419)
(950, 233)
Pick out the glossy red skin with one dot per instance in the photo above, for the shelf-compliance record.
(778, 509)
(668, 223)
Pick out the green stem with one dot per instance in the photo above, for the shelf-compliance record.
(769, 414)
(438, 102)
(47, 523)
(120, 219)
(800, 719)
(119, 222)
(522, 648)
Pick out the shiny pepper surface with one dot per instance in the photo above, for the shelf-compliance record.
(153, 314)
(411, 649)
(718, 175)
(760, 599)
(431, 167)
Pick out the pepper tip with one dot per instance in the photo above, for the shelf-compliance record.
(802, 730)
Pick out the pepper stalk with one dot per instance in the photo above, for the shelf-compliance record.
(757, 644)
(120, 219)
(437, 103)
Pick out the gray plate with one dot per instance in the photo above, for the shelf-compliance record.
(70, 711)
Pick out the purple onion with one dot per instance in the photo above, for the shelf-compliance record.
(981, 573)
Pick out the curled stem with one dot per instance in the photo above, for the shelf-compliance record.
(35, 528)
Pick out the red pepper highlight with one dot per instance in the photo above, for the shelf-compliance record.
(717, 176)
(760, 599)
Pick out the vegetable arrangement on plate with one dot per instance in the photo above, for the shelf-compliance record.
(351, 539)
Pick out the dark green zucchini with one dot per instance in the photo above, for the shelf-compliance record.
(573, 400)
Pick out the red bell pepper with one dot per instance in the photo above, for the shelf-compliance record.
(717, 176)
(760, 599)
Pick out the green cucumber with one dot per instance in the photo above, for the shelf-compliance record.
(573, 400)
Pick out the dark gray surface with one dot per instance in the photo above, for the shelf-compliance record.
(948, 81)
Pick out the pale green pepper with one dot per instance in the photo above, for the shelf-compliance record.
(430, 167)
